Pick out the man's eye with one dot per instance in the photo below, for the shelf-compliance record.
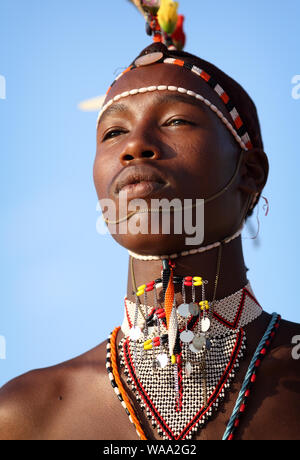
(112, 133)
(178, 121)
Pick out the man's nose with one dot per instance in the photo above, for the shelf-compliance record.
(140, 146)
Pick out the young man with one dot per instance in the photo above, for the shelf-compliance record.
(166, 132)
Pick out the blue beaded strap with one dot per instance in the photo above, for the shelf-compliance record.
(251, 369)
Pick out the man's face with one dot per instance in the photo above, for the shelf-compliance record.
(179, 144)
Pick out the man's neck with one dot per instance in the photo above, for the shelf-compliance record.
(232, 276)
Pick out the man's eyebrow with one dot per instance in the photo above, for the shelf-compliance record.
(177, 97)
(114, 108)
(162, 99)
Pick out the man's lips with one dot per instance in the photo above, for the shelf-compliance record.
(138, 181)
(140, 189)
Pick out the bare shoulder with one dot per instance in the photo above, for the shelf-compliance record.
(34, 405)
(276, 408)
(282, 363)
(286, 346)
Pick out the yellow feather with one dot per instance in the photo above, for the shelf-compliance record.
(167, 15)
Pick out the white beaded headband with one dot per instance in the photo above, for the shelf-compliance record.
(182, 91)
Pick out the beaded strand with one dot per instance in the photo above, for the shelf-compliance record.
(189, 252)
(115, 380)
(250, 378)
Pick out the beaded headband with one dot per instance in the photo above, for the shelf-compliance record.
(238, 130)
(218, 112)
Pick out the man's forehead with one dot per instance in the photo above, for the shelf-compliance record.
(178, 79)
(163, 74)
(157, 98)
(157, 74)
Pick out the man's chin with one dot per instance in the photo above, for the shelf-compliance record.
(152, 245)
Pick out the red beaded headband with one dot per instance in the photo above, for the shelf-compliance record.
(158, 57)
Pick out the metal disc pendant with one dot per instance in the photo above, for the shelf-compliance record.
(193, 349)
(205, 324)
(183, 310)
(186, 336)
(199, 342)
(162, 360)
(135, 333)
(194, 308)
(188, 369)
(148, 59)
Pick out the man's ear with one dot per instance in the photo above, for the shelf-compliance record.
(254, 171)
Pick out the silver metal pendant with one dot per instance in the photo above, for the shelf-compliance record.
(194, 308)
(192, 348)
(199, 342)
(188, 369)
(183, 310)
(135, 333)
(205, 324)
(186, 336)
(162, 360)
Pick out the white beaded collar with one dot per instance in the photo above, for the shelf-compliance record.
(230, 313)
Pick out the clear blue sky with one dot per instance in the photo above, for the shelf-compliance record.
(62, 285)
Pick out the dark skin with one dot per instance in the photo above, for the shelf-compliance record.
(197, 156)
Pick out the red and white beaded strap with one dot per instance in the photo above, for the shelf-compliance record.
(238, 123)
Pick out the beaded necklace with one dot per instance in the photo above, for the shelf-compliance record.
(180, 360)
(187, 252)
(242, 400)
(208, 349)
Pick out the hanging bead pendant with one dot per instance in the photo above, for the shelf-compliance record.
(162, 360)
(186, 336)
(188, 369)
(194, 308)
(199, 341)
(205, 324)
(135, 333)
(183, 310)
